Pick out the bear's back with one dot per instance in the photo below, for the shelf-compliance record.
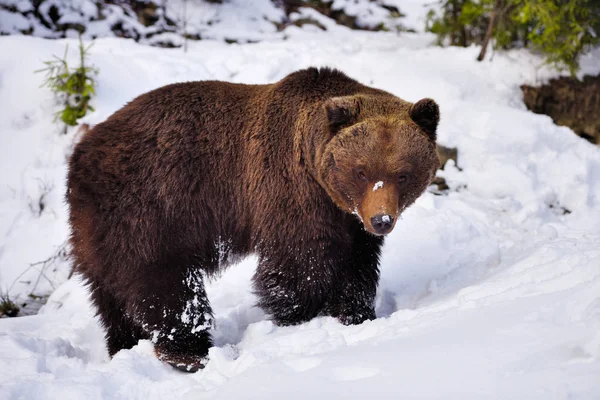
(178, 144)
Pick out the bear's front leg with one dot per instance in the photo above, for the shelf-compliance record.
(174, 311)
(293, 283)
(353, 299)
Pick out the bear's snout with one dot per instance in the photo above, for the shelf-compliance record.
(382, 224)
(378, 207)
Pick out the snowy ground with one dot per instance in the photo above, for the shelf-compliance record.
(490, 292)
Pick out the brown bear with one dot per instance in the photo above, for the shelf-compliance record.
(309, 173)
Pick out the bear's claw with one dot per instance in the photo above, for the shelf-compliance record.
(184, 363)
(191, 368)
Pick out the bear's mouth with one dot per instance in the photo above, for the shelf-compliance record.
(355, 212)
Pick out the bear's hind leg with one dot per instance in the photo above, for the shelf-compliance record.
(121, 332)
(172, 308)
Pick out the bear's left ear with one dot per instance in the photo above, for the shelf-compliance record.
(342, 112)
(426, 114)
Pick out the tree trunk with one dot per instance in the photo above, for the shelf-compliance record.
(454, 38)
(490, 30)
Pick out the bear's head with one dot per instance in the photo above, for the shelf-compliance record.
(380, 156)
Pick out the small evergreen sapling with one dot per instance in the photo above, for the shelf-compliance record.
(74, 88)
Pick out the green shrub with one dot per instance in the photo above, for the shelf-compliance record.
(561, 30)
(74, 88)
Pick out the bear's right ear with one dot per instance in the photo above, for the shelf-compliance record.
(342, 112)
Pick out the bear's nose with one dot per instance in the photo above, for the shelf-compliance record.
(382, 223)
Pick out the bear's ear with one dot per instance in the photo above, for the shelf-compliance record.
(342, 112)
(426, 114)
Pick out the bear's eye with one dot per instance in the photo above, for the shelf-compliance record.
(360, 174)
(402, 179)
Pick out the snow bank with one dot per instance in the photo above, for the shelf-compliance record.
(490, 291)
(167, 23)
(235, 19)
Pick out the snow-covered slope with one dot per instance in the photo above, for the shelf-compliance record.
(166, 23)
(492, 291)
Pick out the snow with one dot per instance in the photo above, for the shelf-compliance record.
(378, 185)
(415, 12)
(489, 291)
(367, 14)
(238, 20)
(13, 22)
(233, 20)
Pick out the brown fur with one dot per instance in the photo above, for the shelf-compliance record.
(187, 178)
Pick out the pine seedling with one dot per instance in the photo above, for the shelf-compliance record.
(74, 88)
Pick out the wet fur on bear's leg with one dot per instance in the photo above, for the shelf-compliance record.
(170, 309)
(176, 320)
(292, 284)
(121, 332)
(353, 297)
(324, 277)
